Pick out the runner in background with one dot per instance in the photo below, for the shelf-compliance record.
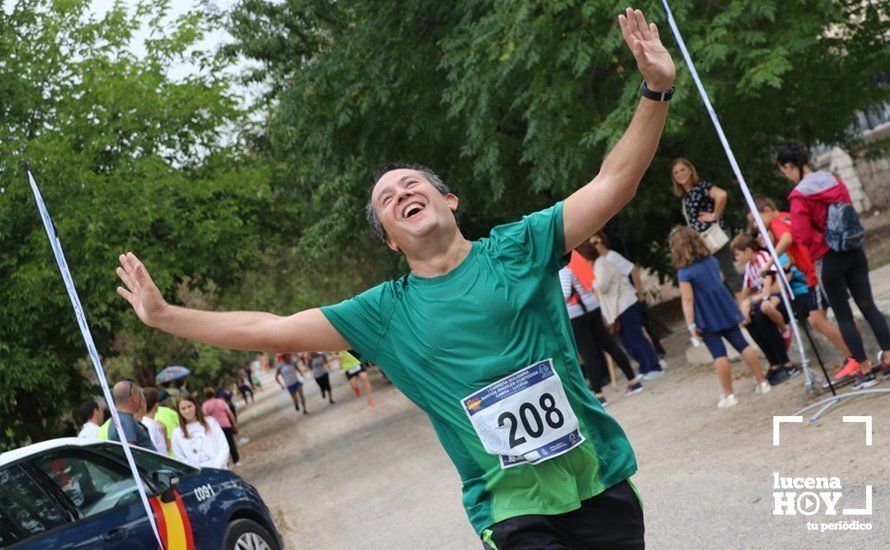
(245, 385)
(353, 369)
(252, 370)
(318, 362)
(287, 370)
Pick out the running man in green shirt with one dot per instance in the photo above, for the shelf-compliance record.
(478, 337)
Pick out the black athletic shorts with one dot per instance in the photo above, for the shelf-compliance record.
(324, 382)
(612, 520)
(355, 371)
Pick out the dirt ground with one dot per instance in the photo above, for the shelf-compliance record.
(352, 476)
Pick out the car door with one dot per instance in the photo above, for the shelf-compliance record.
(29, 514)
(103, 494)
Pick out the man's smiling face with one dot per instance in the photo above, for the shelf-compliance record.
(410, 207)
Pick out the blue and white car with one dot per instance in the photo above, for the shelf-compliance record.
(75, 493)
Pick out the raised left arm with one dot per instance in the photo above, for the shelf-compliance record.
(589, 208)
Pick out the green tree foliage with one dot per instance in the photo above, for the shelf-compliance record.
(516, 102)
(128, 158)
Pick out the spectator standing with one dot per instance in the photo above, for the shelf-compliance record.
(703, 204)
(841, 265)
(621, 310)
(199, 440)
(219, 410)
(710, 311)
(591, 335)
(156, 430)
(631, 271)
(129, 401)
(91, 417)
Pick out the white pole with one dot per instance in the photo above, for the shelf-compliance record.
(91, 346)
(785, 287)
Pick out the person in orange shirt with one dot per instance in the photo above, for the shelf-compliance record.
(779, 224)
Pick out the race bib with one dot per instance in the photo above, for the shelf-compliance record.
(524, 418)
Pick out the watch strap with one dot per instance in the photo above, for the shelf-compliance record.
(656, 96)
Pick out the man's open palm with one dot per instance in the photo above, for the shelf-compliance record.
(653, 59)
(140, 291)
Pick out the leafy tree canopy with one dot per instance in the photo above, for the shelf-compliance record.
(515, 103)
(128, 159)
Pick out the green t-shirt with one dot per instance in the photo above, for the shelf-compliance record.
(445, 341)
(170, 419)
(103, 430)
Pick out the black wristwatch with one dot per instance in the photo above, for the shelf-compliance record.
(656, 96)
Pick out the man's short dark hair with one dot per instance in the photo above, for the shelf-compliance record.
(86, 411)
(427, 173)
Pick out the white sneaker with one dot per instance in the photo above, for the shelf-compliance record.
(762, 387)
(243, 440)
(727, 401)
(663, 364)
(653, 374)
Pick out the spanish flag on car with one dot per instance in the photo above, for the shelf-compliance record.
(173, 523)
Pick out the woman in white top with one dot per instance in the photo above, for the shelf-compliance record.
(632, 272)
(198, 439)
(591, 335)
(620, 307)
(156, 431)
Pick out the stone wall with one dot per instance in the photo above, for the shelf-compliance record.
(867, 178)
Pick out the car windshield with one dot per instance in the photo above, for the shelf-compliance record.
(149, 462)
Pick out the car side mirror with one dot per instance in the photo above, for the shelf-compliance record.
(166, 482)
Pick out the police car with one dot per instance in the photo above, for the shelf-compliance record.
(77, 493)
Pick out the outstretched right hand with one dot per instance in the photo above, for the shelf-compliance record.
(140, 291)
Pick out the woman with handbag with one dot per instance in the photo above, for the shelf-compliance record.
(703, 204)
(622, 311)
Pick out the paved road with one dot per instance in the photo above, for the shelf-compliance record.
(351, 476)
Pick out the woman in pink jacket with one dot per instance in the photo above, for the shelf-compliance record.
(839, 271)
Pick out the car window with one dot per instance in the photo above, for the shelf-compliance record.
(25, 510)
(150, 462)
(94, 483)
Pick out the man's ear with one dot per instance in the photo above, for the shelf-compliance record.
(393, 246)
(452, 201)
